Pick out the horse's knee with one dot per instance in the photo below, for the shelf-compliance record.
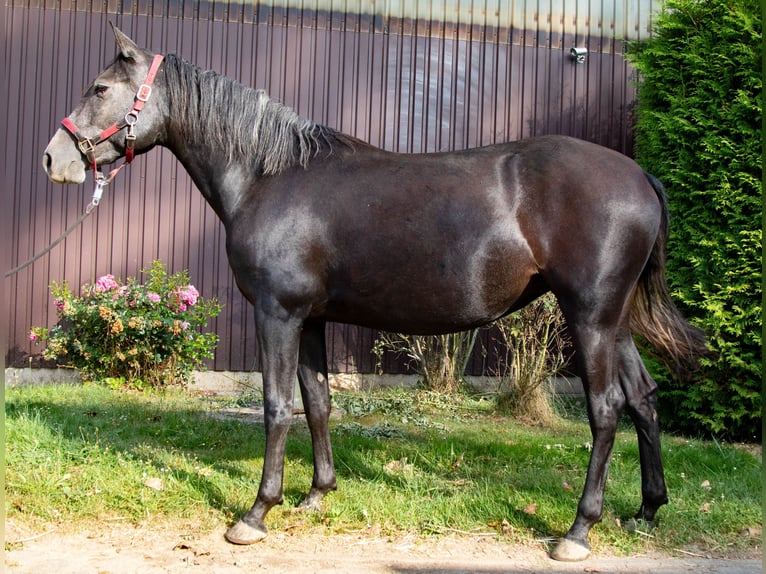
(317, 411)
(278, 418)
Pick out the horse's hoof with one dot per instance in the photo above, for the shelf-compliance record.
(311, 504)
(569, 551)
(243, 533)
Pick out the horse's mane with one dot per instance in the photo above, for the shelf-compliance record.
(242, 122)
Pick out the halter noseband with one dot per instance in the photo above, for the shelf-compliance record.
(87, 145)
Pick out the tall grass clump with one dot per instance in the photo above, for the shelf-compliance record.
(531, 344)
(439, 360)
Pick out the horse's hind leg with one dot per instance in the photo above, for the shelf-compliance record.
(594, 341)
(641, 394)
(315, 390)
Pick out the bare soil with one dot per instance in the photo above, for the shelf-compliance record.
(122, 549)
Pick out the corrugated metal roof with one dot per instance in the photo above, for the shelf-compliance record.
(618, 19)
(623, 19)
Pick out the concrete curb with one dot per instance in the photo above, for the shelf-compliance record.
(235, 383)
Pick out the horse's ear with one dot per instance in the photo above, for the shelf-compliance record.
(128, 47)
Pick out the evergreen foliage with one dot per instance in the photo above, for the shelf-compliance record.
(699, 131)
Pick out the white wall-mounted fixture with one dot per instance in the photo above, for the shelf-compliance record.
(578, 54)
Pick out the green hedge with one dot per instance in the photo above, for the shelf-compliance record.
(699, 131)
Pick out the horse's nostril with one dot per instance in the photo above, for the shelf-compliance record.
(47, 161)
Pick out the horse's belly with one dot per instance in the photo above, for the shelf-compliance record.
(429, 293)
(415, 320)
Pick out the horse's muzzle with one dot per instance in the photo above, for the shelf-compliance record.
(62, 161)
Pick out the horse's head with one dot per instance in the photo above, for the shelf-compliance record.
(105, 125)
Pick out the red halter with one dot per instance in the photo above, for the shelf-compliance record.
(88, 145)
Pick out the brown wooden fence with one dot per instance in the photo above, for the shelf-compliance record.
(406, 76)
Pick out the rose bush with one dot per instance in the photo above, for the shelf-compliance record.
(129, 333)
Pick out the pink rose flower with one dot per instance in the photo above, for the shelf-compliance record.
(189, 295)
(106, 283)
(33, 337)
(153, 297)
(183, 297)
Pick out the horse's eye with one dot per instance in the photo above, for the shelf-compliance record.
(100, 89)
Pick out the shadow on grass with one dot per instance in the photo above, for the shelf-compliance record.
(147, 428)
(151, 428)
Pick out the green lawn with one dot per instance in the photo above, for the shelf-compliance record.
(406, 462)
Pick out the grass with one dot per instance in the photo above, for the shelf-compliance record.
(406, 463)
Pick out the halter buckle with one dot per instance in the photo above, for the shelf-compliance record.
(144, 92)
(131, 118)
(87, 147)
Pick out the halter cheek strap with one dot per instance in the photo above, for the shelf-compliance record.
(87, 145)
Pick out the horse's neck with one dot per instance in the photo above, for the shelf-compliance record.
(220, 183)
(224, 173)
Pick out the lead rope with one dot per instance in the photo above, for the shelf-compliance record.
(101, 182)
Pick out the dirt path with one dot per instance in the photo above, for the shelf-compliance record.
(126, 550)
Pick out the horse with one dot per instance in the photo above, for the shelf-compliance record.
(321, 226)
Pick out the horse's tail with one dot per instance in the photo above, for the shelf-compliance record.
(654, 316)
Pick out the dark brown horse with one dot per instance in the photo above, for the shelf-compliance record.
(323, 227)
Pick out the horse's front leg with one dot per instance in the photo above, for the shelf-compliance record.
(279, 340)
(315, 391)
